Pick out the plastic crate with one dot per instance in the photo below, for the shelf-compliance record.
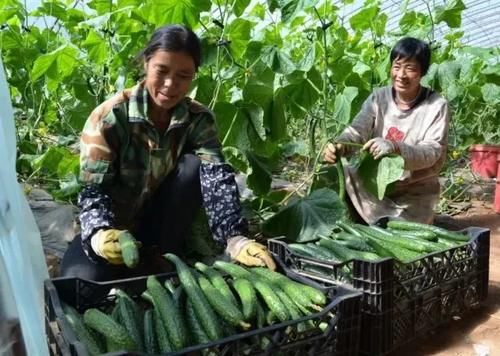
(341, 315)
(403, 300)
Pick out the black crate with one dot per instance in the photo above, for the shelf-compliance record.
(341, 315)
(403, 300)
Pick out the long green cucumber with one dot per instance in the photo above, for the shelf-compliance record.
(248, 297)
(345, 253)
(150, 344)
(425, 235)
(353, 241)
(130, 251)
(131, 321)
(83, 334)
(197, 332)
(234, 270)
(410, 244)
(388, 249)
(202, 307)
(295, 290)
(107, 326)
(348, 228)
(164, 344)
(272, 301)
(440, 232)
(169, 313)
(217, 281)
(222, 306)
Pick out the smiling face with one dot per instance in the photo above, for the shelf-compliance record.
(406, 74)
(168, 77)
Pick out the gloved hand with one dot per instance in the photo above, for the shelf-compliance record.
(106, 244)
(249, 252)
(379, 147)
(332, 152)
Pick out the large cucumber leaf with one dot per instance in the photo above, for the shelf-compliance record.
(378, 176)
(304, 218)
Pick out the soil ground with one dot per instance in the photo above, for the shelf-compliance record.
(477, 333)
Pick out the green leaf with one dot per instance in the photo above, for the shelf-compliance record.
(97, 47)
(451, 13)
(239, 34)
(259, 180)
(363, 19)
(277, 60)
(378, 175)
(43, 64)
(342, 111)
(277, 119)
(379, 24)
(240, 124)
(290, 9)
(161, 12)
(57, 64)
(51, 8)
(303, 219)
(307, 62)
(491, 93)
(240, 6)
(205, 89)
(301, 97)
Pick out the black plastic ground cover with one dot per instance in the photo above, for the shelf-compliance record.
(403, 300)
(341, 317)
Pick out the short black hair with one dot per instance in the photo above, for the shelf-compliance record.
(174, 38)
(410, 47)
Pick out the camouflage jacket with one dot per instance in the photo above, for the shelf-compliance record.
(124, 159)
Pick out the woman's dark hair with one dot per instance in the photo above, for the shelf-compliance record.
(410, 47)
(174, 38)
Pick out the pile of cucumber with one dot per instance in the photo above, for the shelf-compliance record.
(402, 240)
(205, 304)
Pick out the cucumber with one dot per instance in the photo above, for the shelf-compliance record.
(260, 315)
(248, 297)
(352, 241)
(348, 228)
(234, 270)
(298, 292)
(199, 336)
(150, 344)
(169, 314)
(82, 333)
(217, 281)
(425, 235)
(203, 310)
(162, 338)
(292, 308)
(222, 306)
(388, 249)
(407, 243)
(346, 254)
(272, 301)
(449, 243)
(323, 254)
(111, 329)
(130, 251)
(131, 321)
(440, 232)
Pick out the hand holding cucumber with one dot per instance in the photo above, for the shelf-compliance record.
(117, 247)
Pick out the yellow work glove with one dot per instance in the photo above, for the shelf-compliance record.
(249, 252)
(106, 244)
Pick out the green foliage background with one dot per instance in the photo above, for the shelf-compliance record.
(281, 75)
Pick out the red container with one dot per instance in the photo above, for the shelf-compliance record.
(484, 159)
(496, 207)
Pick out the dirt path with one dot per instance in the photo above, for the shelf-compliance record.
(478, 333)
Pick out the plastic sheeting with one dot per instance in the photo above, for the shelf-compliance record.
(21, 253)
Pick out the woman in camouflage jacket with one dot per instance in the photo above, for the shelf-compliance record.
(150, 158)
